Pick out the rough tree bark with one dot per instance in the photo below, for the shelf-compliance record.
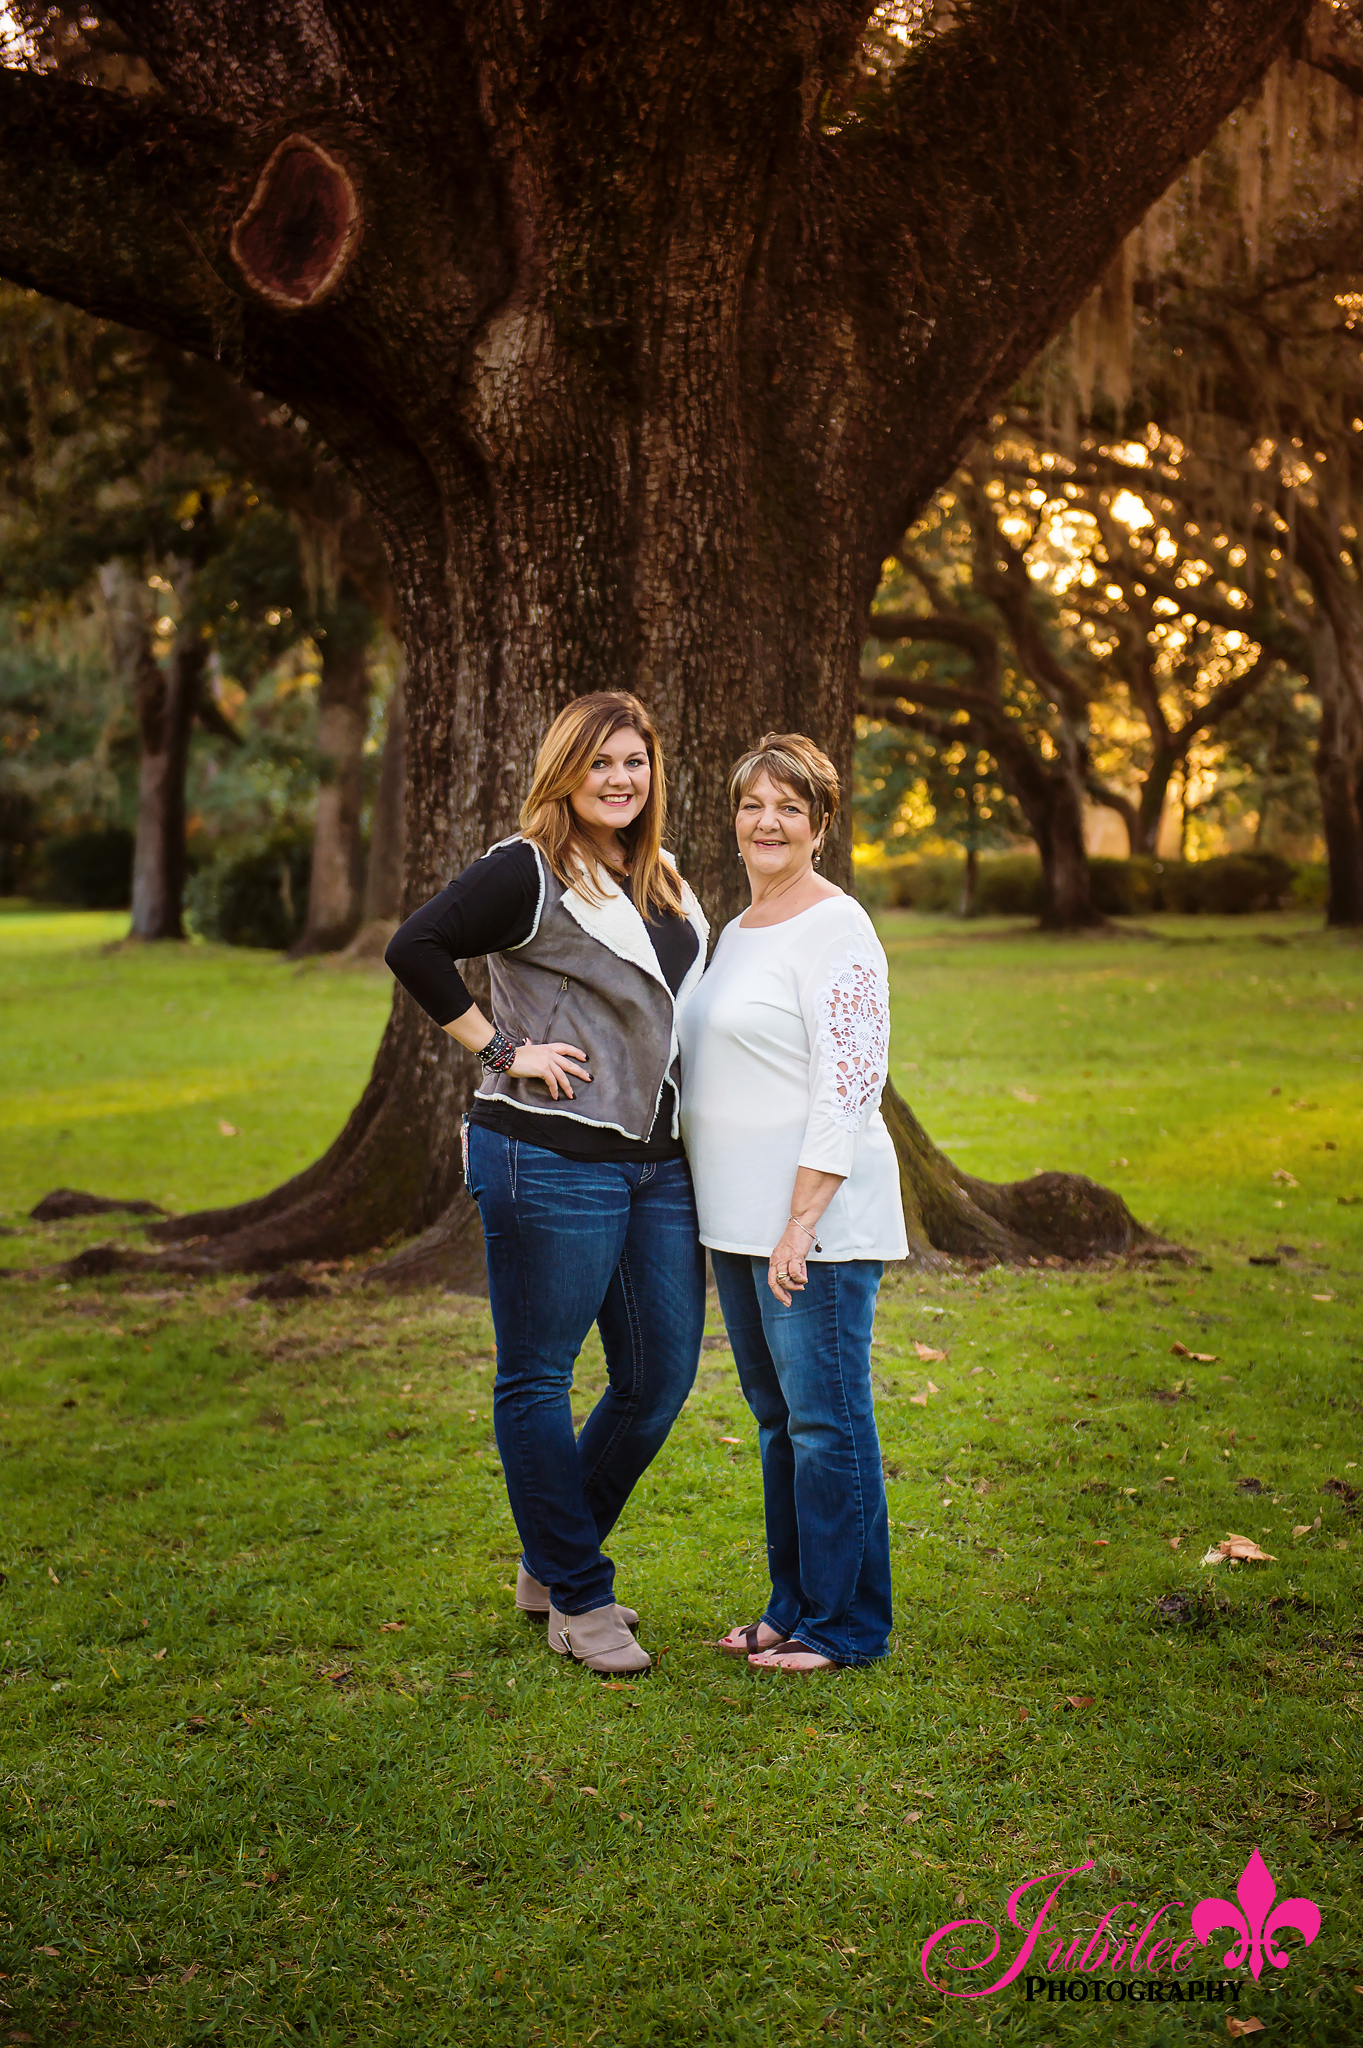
(641, 360)
(335, 892)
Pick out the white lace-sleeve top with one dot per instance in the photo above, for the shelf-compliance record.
(785, 1049)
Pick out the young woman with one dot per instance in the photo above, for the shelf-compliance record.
(573, 1151)
(785, 1050)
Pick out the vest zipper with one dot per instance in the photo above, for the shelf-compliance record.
(562, 992)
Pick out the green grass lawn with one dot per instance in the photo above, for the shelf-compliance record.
(279, 1759)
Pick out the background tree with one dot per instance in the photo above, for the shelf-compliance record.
(1174, 492)
(644, 336)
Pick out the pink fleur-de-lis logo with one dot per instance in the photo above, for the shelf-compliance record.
(1259, 1921)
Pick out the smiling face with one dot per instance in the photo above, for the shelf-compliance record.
(776, 837)
(614, 791)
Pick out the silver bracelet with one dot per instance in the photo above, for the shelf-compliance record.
(814, 1244)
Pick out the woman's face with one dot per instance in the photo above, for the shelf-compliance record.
(614, 790)
(775, 835)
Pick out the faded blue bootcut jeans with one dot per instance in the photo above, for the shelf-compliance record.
(806, 1374)
(572, 1242)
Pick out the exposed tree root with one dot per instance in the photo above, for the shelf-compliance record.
(382, 1166)
(64, 1203)
(950, 1214)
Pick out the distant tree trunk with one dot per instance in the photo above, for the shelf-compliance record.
(335, 890)
(165, 702)
(970, 881)
(1339, 778)
(383, 874)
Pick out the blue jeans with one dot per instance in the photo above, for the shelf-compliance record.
(806, 1374)
(572, 1242)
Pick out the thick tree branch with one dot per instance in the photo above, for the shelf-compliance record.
(223, 57)
(950, 631)
(119, 205)
(1091, 111)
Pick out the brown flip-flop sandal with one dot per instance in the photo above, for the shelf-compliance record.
(749, 1646)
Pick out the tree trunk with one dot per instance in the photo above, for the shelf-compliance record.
(1059, 834)
(1154, 796)
(970, 881)
(165, 702)
(383, 874)
(1339, 778)
(334, 892)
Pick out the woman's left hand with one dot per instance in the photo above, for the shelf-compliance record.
(786, 1274)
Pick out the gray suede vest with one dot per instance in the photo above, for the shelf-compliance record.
(588, 975)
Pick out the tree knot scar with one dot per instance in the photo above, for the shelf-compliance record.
(295, 240)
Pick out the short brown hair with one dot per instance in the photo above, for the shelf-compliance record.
(547, 816)
(793, 762)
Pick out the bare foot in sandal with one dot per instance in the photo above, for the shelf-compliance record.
(792, 1659)
(743, 1642)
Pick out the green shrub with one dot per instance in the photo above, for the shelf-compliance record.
(253, 894)
(91, 870)
(1232, 885)
(1009, 885)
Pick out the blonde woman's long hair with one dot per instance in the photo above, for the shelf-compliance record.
(548, 818)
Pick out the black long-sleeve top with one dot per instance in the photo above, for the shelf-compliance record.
(489, 908)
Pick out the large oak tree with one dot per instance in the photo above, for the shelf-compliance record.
(645, 331)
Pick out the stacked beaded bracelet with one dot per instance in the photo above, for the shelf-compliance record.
(499, 1052)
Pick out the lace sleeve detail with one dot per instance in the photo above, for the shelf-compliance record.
(854, 1041)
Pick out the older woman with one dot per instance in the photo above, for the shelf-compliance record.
(785, 1047)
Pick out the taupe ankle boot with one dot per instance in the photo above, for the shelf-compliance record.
(533, 1598)
(601, 1640)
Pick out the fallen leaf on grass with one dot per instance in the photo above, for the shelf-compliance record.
(918, 1400)
(912, 1816)
(157, 1655)
(228, 1130)
(731, 1439)
(1079, 1699)
(53, 1576)
(590, 1791)
(1214, 1556)
(1284, 1178)
(616, 1685)
(1235, 2028)
(47, 1951)
(1177, 1350)
(929, 1355)
(1305, 1528)
(1022, 1095)
(160, 1802)
(391, 1628)
(1101, 1543)
(192, 1971)
(1174, 1542)
(339, 1675)
(1245, 1549)
(1322, 1297)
